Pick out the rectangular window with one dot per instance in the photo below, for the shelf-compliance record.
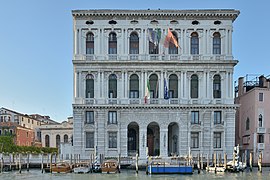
(112, 117)
(112, 139)
(89, 140)
(217, 117)
(217, 139)
(194, 140)
(260, 138)
(89, 117)
(134, 94)
(260, 96)
(195, 117)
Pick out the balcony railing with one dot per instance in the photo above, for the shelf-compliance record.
(149, 57)
(260, 146)
(261, 130)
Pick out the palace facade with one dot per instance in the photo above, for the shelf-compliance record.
(156, 82)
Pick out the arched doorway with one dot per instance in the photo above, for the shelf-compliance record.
(153, 139)
(133, 139)
(173, 139)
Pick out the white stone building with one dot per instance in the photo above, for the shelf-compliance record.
(114, 59)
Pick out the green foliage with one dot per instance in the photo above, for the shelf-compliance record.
(7, 146)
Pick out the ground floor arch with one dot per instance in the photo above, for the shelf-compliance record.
(133, 139)
(173, 139)
(153, 139)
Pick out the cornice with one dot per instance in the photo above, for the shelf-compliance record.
(178, 14)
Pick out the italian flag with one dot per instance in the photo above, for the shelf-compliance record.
(147, 92)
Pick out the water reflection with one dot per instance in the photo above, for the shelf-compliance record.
(131, 175)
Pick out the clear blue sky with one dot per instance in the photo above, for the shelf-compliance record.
(36, 46)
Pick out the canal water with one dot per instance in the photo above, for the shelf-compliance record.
(36, 174)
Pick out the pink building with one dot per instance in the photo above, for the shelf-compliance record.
(252, 128)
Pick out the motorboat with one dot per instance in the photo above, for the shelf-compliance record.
(110, 166)
(61, 167)
(82, 167)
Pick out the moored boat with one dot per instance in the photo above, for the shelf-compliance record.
(110, 166)
(82, 167)
(61, 167)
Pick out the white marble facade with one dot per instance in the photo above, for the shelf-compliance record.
(111, 73)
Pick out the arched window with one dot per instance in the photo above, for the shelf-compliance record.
(112, 86)
(90, 43)
(153, 41)
(47, 141)
(247, 124)
(260, 121)
(57, 140)
(89, 90)
(216, 43)
(134, 43)
(112, 43)
(194, 43)
(217, 86)
(153, 81)
(194, 86)
(134, 86)
(173, 86)
(172, 48)
(65, 138)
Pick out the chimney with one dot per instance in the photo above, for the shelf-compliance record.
(240, 86)
(262, 81)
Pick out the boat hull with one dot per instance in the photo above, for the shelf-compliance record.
(170, 169)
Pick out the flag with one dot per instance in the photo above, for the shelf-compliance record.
(165, 90)
(170, 39)
(147, 92)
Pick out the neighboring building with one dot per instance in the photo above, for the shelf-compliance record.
(32, 122)
(52, 135)
(22, 136)
(120, 59)
(253, 117)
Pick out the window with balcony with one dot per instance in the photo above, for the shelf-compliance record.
(173, 86)
(194, 86)
(260, 121)
(194, 117)
(89, 139)
(112, 117)
(112, 139)
(89, 43)
(216, 43)
(89, 117)
(194, 140)
(194, 43)
(57, 140)
(217, 86)
(134, 86)
(89, 89)
(47, 141)
(247, 124)
(112, 86)
(260, 138)
(260, 96)
(217, 140)
(65, 138)
(112, 43)
(153, 81)
(217, 117)
(134, 43)
(172, 48)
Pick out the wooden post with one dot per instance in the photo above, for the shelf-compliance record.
(1, 163)
(215, 161)
(260, 162)
(10, 161)
(20, 165)
(71, 159)
(250, 161)
(27, 165)
(137, 168)
(42, 163)
(48, 160)
(233, 160)
(16, 162)
(201, 162)
(207, 164)
(51, 157)
(198, 163)
(119, 162)
(225, 161)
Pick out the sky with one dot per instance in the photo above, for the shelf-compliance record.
(36, 44)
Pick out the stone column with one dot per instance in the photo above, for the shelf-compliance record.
(98, 86)
(230, 41)
(225, 85)
(126, 85)
(80, 85)
(102, 85)
(143, 142)
(122, 92)
(161, 93)
(163, 142)
(142, 86)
